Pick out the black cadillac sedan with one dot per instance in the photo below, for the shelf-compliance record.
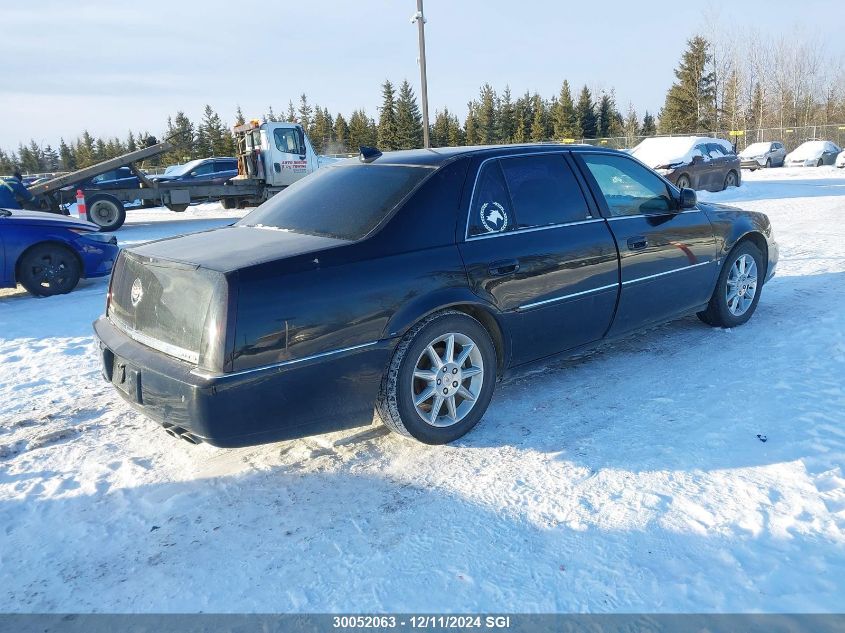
(407, 283)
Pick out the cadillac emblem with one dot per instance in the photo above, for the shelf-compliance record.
(137, 292)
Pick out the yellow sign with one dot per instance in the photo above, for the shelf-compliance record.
(737, 133)
(789, 131)
(603, 141)
(568, 140)
(842, 127)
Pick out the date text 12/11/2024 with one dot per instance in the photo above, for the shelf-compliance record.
(421, 622)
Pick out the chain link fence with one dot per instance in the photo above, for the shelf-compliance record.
(791, 137)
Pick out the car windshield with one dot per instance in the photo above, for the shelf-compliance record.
(755, 149)
(186, 168)
(346, 201)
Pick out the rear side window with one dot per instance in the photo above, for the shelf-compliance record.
(544, 191)
(202, 170)
(491, 210)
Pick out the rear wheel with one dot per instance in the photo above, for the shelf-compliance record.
(49, 269)
(768, 163)
(738, 288)
(730, 180)
(683, 182)
(820, 163)
(105, 211)
(440, 380)
(229, 203)
(178, 208)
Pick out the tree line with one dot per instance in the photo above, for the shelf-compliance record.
(722, 82)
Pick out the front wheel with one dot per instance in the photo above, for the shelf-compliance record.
(440, 380)
(768, 163)
(738, 288)
(49, 269)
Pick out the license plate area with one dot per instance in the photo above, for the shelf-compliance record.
(127, 379)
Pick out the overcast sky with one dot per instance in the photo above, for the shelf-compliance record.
(111, 66)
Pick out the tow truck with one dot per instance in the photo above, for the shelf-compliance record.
(271, 156)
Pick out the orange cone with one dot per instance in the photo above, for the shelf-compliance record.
(80, 205)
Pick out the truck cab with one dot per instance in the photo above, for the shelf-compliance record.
(277, 153)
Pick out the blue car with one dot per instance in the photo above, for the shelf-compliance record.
(48, 253)
(203, 171)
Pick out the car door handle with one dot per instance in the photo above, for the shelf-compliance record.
(504, 267)
(637, 243)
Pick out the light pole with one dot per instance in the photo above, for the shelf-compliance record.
(419, 18)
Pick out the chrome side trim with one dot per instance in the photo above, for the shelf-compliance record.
(528, 306)
(667, 272)
(204, 374)
(161, 346)
(650, 215)
(487, 236)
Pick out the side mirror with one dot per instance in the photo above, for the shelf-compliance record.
(687, 199)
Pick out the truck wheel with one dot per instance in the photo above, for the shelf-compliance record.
(177, 208)
(48, 269)
(229, 203)
(105, 211)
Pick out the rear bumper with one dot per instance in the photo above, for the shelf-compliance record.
(752, 163)
(304, 398)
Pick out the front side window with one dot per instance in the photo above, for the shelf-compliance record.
(491, 210)
(544, 190)
(345, 201)
(287, 140)
(628, 187)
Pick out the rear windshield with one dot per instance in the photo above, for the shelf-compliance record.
(344, 201)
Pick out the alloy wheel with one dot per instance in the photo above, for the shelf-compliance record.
(741, 285)
(447, 379)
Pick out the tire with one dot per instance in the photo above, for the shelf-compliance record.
(105, 211)
(719, 313)
(730, 180)
(683, 182)
(178, 208)
(396, 404)
(49, 269)
(229, 203)
(768, 163)
(820, 163)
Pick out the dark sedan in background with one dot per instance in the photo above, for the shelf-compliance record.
(697, 162)
(203, 171)
(408, 282)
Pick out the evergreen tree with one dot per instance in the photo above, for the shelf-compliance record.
(320, 132)
(239, 116)
(409, 132)
(757, 107)
(538, 124)
(506, 118)
(585, 114)
(291, 116)
(605, 118)
(341, 133)
(486, 115)
(388, 138)
(212, 135)
(564, 114)
(649, 128)
(270, 116)
(360, 131)
(181, 133)
(85, 150)
(305, 112)
(689, 105)
(100, 152)
(131, 145)
(471, 125)
(66, 156)
(8, 162)
(524, 117)
(28, 159)
(631, 126)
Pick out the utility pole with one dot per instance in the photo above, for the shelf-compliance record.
(419, 18)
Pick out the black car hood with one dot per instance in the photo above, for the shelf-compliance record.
(235, 247)
(42, 218)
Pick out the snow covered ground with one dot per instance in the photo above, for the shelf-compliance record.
(632, 479)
